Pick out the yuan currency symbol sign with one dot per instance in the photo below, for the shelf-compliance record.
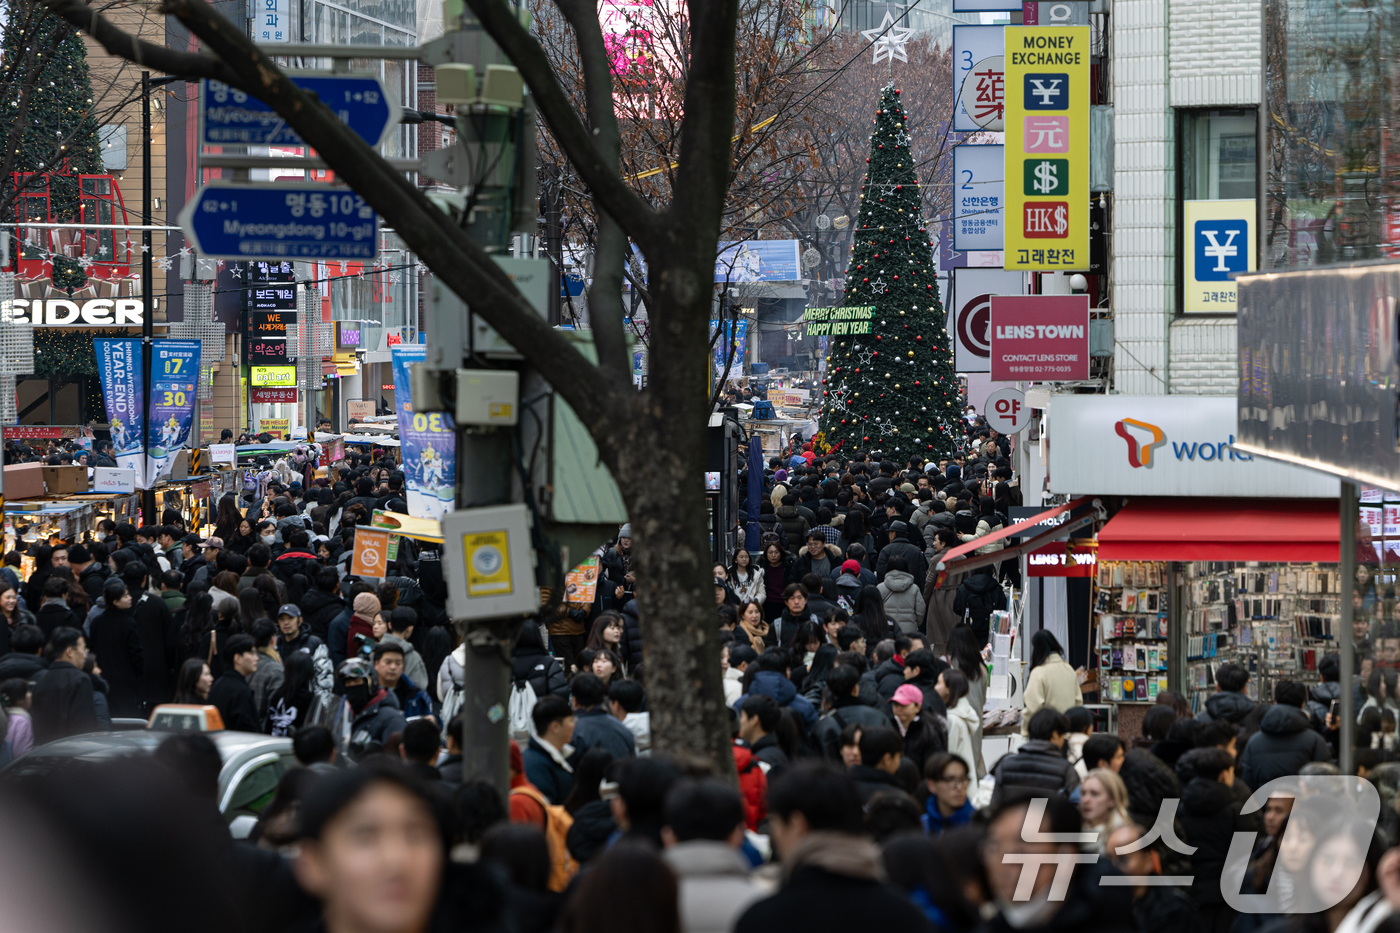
(1221, 251)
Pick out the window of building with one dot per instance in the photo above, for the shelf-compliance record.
(1217, 210)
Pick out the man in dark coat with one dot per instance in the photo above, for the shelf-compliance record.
(1210, 816)
(899, 546)
(231, 693)
(978, 596)
(1039, 764)
(322, 603)
(1285, 740)
(117, 644)
(62, 704)
(54, 613)
(834, 876)
(844, 682)
(595, 725)
(155, 624)
(881, 749)
(91, 572)
(1230, 703)
(544, 757)
(1155, 908)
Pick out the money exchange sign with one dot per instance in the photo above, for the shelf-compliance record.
(1047, 147)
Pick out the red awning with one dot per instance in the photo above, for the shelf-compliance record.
(1008, 532)
(1298, 530)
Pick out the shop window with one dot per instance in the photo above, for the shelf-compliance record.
(1217, 210)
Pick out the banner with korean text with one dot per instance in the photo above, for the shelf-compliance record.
(1047, 147)
(174, 378)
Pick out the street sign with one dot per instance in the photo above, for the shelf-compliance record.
(1047, 147)
(1006, 411)
(1040, 338)
(280, 221)
(979, 197)
(229, 116)
(979, 78)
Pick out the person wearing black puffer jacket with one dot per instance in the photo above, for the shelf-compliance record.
(1210, 816)
(1039, 764)
(322, 603)
(1285, 740)
(1230, 703)
(978, 596)
(531, 663)
(633, 637)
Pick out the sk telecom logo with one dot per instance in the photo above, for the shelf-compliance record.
(1140, 452)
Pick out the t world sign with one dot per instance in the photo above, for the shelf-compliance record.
(60, 312)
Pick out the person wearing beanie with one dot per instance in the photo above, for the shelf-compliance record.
(364, 609)
(617, 570)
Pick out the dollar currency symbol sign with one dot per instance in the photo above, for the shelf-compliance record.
(1045, 180)
(1061, 221)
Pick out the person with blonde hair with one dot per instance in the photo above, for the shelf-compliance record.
(1103, 803)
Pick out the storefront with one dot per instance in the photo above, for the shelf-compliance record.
(1208, 556)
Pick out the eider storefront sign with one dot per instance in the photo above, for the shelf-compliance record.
(60, 312)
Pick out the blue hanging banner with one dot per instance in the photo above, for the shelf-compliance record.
(174, 380)
(123, 392)
(428, 443)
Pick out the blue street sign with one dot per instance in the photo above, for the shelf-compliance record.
(231, 117)
(280, 221)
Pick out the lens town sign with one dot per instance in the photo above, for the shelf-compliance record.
(60, 312)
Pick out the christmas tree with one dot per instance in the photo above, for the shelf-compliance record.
(44, 68)
(890, 382)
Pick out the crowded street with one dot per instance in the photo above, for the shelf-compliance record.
(643, 466)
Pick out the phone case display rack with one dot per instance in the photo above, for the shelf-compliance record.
(1131, 630)
(1276, 620)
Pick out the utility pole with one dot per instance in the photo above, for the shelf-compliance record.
(148, 317)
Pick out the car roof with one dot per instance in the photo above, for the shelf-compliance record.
(96, 745)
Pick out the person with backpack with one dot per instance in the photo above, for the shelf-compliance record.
(978, 597)
(844, 682)
(596, 726)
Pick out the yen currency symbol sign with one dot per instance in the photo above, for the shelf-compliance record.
(1047, 176)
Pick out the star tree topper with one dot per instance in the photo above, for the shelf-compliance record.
(889, 40)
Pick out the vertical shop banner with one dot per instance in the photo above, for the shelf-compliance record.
(730, 348)
(1041, 338)
(978, 197)
(428, 443)
(1047, 147)
(979, 79)
(123, 392)
(1218, 242)
(174, 378)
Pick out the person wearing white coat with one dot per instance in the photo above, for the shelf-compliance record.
(1052, 682)
(746, 578)
(963, 720)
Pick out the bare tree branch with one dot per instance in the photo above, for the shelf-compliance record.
(500, 21)
(124, 45)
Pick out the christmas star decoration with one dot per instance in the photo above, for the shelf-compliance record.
(889, 40)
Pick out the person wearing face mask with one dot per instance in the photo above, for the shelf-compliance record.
(367, 715)
(114, 638)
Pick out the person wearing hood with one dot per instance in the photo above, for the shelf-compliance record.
(530, 663)
(978, 597)
(832, 873)
(364, 609)
(795, 526)
(771, 679)
(904, 603)
(1230, 703)
(1210, 816)
(1285, 740)
(703, 832)
(818, 557)
(366, 716)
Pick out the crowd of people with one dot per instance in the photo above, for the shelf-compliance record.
(854, 675)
